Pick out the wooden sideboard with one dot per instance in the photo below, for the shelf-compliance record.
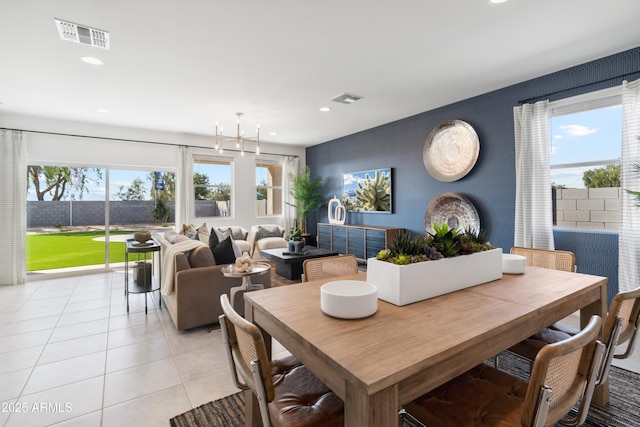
(363, 241)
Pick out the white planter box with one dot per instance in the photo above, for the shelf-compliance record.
(404, 284)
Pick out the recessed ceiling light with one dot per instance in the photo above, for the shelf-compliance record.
(102, 110)
(497, 1)
(91, 60)
(325, 109)
(272, 133)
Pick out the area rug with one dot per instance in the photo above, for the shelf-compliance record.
(623, 409)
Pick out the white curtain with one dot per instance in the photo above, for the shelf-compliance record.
(534, 217)
(629, 236)
(13, 209)
(290, 168)
(183, 187)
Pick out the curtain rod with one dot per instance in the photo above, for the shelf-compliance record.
(535, 98)
(142, 141)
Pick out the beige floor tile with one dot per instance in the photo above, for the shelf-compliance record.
(137, 354)
(32, 325)
(92, 419)
(35, 313)
(13, 383)
(190, 340)
(141, 380)
(26, 340)
(136, 334)
(83, 316)
(20, 359)
(83, 297)
(59, 404)
(132, 319)
(152, 410)
(209, 388)
(79, 330)
(57, 351)
(65, 372)
(87, 305)
(202, 362)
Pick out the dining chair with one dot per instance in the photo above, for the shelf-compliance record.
(620, 327)
(564, 373)
(288, 393)
(338, 265)
(557, 260)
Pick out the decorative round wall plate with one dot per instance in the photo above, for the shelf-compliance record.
(451, 150)
(454, 209)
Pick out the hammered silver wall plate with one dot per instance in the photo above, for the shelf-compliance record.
(451, 150)
(454, 209)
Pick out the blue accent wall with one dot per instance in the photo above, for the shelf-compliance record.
(491, 183)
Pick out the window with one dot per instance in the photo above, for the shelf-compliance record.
(268, 188)
(212, 187)
(585, 148)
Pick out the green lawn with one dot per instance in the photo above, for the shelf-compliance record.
(70, 249)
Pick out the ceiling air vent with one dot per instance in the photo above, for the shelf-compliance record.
(346, 98)
(82, 34)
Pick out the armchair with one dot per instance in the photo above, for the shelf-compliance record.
(266, 236)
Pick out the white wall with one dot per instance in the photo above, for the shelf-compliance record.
(56, 149)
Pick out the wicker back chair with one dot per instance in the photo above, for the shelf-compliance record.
(288, 394)
(557, 260)
(339, 265)
(620, 327)
(563, 374)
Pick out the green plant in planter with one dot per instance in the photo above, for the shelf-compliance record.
(306, 193)
(444, 243)
(295, 233)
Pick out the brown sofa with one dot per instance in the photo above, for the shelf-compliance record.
(197, 285)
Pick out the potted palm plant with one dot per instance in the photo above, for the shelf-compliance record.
(306, 194)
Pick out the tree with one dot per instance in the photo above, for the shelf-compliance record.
(200, 181)
(136, 191)
(169, 191)
(58, 181)
(608, 176)
(221, 193)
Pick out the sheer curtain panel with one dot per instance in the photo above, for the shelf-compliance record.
(290, 168)
(534, 217)
(629, 236)
(184, 192)
(13, 209)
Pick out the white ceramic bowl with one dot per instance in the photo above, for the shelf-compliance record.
(514, 264)
(349, 299)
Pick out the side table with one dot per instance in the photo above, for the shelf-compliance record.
(147, 281)
(237, 291)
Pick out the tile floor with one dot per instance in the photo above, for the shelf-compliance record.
(70, 355)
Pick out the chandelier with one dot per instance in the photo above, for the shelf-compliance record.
(240, 139)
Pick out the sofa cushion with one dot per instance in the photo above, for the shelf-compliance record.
(201, 257)
(266, 232)
(189, 231)
(223, 252)
(203, 233)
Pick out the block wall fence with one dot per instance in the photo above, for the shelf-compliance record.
(592, 208)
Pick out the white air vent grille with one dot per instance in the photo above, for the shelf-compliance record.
(346, 98)
(82, 34)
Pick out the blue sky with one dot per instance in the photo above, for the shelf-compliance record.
(584, 137)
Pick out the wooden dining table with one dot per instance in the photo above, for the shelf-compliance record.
(378, 363)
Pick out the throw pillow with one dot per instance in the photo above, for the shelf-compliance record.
(201, 257)
(190, 231)
(203, 233)
(221, 234)
(171, 236)
(265, 232)
(223, 252)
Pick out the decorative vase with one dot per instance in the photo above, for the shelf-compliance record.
(295, 245)
(404, 284)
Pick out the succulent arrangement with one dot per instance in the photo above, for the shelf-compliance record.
(445, 242)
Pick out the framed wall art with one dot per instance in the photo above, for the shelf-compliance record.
(367, 191)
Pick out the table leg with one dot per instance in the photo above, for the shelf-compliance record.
(380, 409)
(601, 393)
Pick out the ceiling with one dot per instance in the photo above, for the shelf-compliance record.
(182, 65)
